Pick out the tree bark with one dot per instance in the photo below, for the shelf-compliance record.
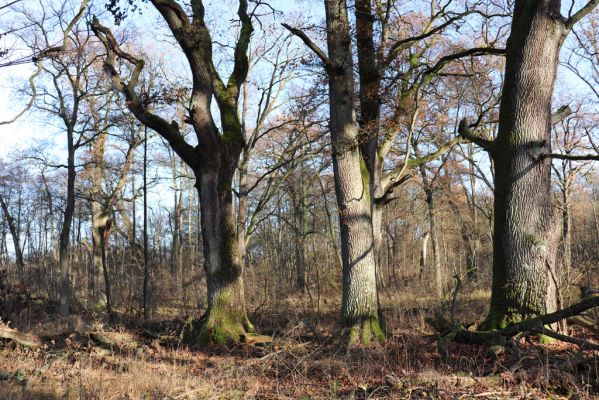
(359, 309)
(424, 255)
(525, 230)
(65, 289)
(226, 317)
(432, 222)
(566, 228)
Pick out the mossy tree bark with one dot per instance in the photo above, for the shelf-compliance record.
(359, 309)
(213, 160)
(524, 227)
(526, 234)
(353, 177)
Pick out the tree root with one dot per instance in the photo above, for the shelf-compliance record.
(453, 331)
(221, 329)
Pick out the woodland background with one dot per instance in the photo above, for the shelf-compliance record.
(95, 198)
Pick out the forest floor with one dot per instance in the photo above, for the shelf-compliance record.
(83, 357)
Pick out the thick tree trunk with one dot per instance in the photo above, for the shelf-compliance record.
(525, 233)
(359, 309)
(369, 121)
(225, 319)
(213, 160)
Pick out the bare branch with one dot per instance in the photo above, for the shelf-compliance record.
(560, 114)
(580, 14)
(466, 133)
(313, 46)
(169, 131)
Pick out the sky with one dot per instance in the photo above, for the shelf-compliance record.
(30, 130)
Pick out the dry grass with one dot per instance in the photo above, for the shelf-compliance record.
(303, 362)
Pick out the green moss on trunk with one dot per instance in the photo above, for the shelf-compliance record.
(364, 332)
(219, 327)
(224, 323)
(498, 319)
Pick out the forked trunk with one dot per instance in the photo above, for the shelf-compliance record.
(359, 309)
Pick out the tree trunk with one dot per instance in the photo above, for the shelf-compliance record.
(213, 160)
(301, 220)
(567, 231)
(432, 221)
(14, 233)
(100, 232)
(243, 207)
(359, 309)
(225, 319)
(524, 232)
(377, 234)
(424, 255)
(145, 227)
(65, 291)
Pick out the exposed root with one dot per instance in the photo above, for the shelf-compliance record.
(223, 329)
(536, 325)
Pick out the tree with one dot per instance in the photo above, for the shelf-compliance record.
(213, 160)
(392, 73)
(359, 306)
(11, 184)
(70, 82)
(105, 194)
(525, 229)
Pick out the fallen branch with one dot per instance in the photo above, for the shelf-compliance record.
(24, 339)
(585, 344)
(584, 322)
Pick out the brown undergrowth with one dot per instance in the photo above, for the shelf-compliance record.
(84, 358)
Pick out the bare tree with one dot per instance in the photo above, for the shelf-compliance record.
(214, 159)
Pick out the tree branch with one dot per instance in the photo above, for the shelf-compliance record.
(169, 131)
(573, 157)
(580, 14)
(536, 324)
(466, 133)
(560, 114)
(477, 51)
(313, 46)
